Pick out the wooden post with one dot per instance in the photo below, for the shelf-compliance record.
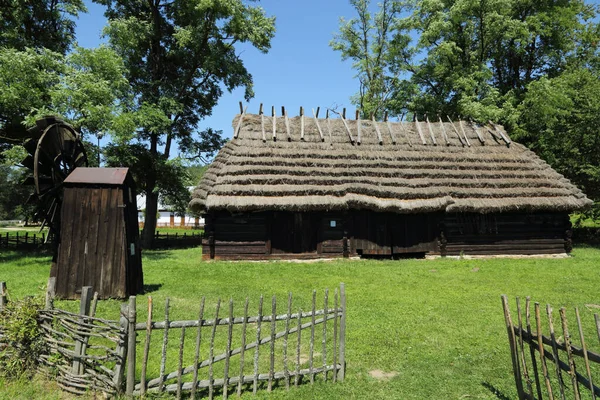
(211, 244)
(84, 309)
(50, 293)
(146, 347)
(172, 220)
(345, 251)
(3, 300)
(513, 347)
(342, 371)
(301, 123)
(121, 350)
(131, 336)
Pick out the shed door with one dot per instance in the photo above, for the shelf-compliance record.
(293, 233)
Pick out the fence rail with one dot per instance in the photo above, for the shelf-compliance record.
(539, 361)
(24, 241)
(177, 240)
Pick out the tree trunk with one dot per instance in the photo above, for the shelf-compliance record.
(150, 220)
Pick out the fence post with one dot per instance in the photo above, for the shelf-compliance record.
(3, 300)
(512, 340)
(84, 309)
(131, 336)
(345, 249)
(342, 371)
(121, 350)
(50, 293)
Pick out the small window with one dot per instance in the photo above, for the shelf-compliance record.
(332, 224)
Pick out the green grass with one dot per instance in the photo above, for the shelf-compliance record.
(437, 323)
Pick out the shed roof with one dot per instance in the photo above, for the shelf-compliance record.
(100, 176)
(304, 164)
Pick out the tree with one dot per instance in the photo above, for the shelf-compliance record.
(180, 54)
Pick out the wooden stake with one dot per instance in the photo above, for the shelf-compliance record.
(513, 347)
(287, 124)
(228, 348)
(444, 134)
(344, 113)
(462, 129)
(262, 123)
(481, 139)
(597, 319)
(197, 354)
(522, 351)
(377, 130)
(146, 347)
(532, 349)
(460, 139)
(419, 130)
(163, 359)
(389, 126)
(243, 349)
(256, 351)
(239, 124)
(315, 116)
(324, 342)
(561, 386)
(299, 332)
(342, 371)
(335, 331)
(274, 123)
(211, 352)
(84, 309)
(131, 347)
(499, 131)
(317, 113)
(241, 108)
(585, 353)
(430, 131)
(301, 123)
(286, 371)
(180, 364)
(3, 292)
(540, 341)
(347, 128)
(312, 338)
(328, 124)
(568, 345)
(358, 128)
(272, 344)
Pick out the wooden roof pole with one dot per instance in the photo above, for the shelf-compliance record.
(274, 123)
(481, 139)
(462, 129)
(301, 123)
(358, 127)
(377, 130)
(239, 124)
(328, 125)
(389, 126)
(287, 123)
(401, 123)
(262, 122)
(444, 131)
(346, 125)
(419, 129)
(499, 131)
(457, 133)
(430, 131)
(316, 117)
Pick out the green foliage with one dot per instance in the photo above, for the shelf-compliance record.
(180, 55)
(22, 336)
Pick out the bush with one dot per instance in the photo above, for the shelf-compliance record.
(21, 343)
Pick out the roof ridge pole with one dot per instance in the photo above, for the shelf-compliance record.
(358, 127)
(443, 130)
(389, 126)
(328, 126)
(430, 131)
(239, 124)
(346, 125)
(316, 117)
(274, 123)
(301, 123)
(502, 135)
(416, 121)
(456, 131)
(401, 124)
(481, 139)
(377, 130)
(262, 122)
(287, 123)
(462, 129)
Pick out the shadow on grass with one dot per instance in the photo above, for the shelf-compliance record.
(153, 287)
(15, 255)
(157, 254)
(495, 391)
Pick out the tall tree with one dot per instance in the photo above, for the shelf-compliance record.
(180, 54)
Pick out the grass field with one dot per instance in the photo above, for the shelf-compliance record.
(437, 324)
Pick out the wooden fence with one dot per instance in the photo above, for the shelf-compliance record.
(24, 241)
(551, 366)
(86, 353)
(177, 240)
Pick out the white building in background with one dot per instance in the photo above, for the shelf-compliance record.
(166, 217)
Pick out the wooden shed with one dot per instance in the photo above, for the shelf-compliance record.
(99, 237)
(307, 188)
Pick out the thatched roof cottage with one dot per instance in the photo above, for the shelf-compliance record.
(308, 187)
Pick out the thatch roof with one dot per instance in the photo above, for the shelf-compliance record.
(397, 166)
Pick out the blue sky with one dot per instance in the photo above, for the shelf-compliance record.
(299, 70)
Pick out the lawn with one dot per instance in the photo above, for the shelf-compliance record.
(437, 324)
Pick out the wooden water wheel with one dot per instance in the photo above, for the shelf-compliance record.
(54, 150)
